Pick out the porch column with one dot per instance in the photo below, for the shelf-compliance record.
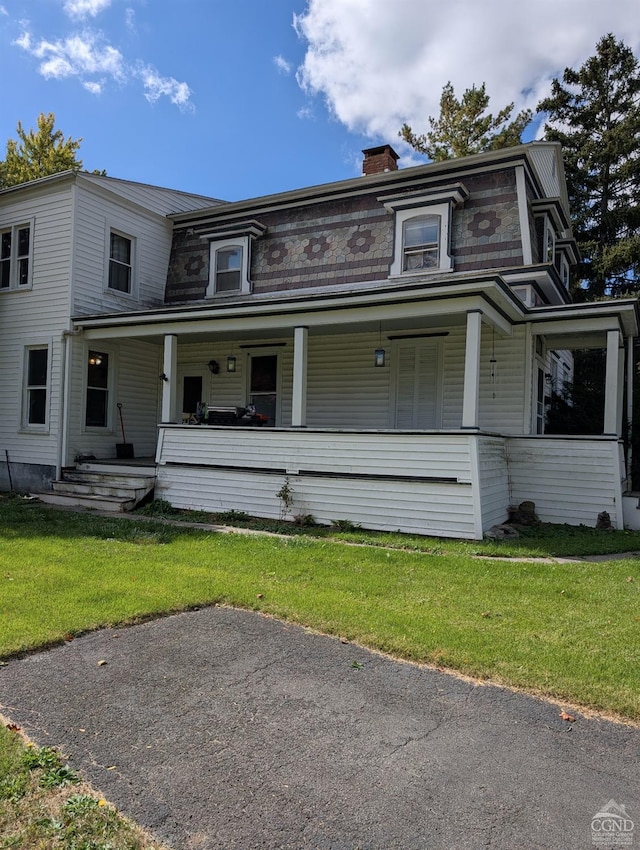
(471, 395)
(169, 378)
(612, 393)
(299, 392)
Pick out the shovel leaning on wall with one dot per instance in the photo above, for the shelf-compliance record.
(123, 449)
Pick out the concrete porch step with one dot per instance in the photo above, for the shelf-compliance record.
(111, 478)
(114, 504)
(119, 489)
(102, 486)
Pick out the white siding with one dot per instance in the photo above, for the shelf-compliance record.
(544, 157)
(35, 316)
(494, 481)
(134, 368)
(96, 215)
(570, 479)
(383, 481)
(345, 389)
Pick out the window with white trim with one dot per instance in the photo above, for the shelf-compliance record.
(229, 263)
(15, 257)
(36, 387)
(423, 229)
(121, 256)
(421, 243)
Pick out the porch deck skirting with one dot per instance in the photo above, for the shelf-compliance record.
(448, 484)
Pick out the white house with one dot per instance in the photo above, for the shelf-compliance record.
(398, 332)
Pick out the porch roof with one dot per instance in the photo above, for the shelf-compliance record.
(422, 302)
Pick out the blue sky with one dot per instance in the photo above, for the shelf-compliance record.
(240, 98)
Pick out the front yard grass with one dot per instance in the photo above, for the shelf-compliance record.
(565, 630)
(45, 805)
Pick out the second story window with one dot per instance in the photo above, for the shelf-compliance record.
(230, 257)
(228, 266)
(15, 257)
(422, 229)
(120, 262)
(421, 243)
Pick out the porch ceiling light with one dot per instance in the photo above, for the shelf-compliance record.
(214, 367)
(231, 363)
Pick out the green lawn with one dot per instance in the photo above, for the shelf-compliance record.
(567, 630)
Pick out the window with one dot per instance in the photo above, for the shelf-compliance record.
(15, 257)
(230, 257)
(564, 271)
(421, 243)
(97, 405)
(120, 262)
(549, 242)
(228, 269)
(423, 228)
(36, 389)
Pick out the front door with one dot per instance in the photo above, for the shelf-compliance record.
(263, 385)
(191, 393)
(418, 403)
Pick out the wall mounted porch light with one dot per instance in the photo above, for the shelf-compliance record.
(214, 367)
(231, 363)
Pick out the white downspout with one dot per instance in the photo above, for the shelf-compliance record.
(65, 393)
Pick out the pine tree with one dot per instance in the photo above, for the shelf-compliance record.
(38, 153)
(595, 114)
(464, 126)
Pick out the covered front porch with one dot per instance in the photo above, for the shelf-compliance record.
(400, 408)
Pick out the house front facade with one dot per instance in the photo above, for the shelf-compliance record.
(396, 335)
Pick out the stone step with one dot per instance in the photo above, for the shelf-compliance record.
(101, 488)
(113, 478)
(112, 504)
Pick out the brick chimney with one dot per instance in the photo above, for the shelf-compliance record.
(380, 159)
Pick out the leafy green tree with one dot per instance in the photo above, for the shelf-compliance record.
(38, 153)
(465, 127)
(594, 112)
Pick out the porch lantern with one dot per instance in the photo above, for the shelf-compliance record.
(214, 367)
(231, 363)
(379, 354)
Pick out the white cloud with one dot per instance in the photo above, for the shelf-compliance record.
(3, 11)
(130, 19)
(85, 8)
(157, 86)
(92, 60)
(76, 56)
(379, 63)
(282, 65)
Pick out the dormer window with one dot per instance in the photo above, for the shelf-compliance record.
(230, 258)
(423, 228)
(228, 267)
(421, 243)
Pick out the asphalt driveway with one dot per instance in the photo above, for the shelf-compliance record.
(226, 729)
